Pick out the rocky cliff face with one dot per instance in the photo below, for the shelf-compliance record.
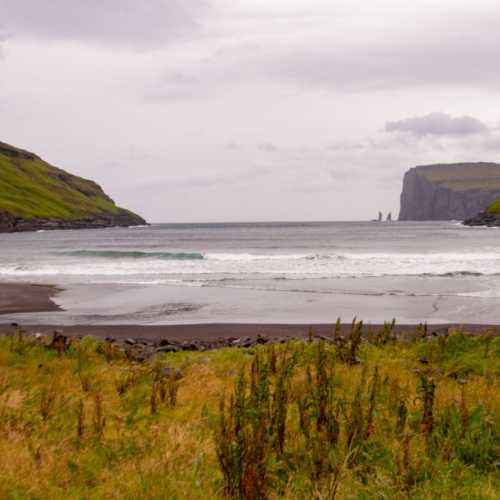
(449, 192)
(35, 195)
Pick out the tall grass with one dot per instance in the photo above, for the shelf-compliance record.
(347, 417)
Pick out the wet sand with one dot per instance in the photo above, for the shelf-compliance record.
(26, 298)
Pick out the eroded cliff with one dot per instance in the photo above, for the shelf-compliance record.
(449, 191)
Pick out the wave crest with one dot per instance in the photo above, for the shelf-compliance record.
(134, 254)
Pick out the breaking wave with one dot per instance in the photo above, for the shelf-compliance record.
(125, 254)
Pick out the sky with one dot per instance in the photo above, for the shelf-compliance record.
(246, 110)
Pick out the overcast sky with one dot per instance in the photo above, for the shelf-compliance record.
(224, 110)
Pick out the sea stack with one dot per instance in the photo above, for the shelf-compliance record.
(449, 191)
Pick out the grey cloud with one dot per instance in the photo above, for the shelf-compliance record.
(390, 64)
(458, 52)
(172, 85)
(128, 22)
(439, 124)
(267, 147)
(346, 146)
(178, 78)
(3, 38)
(379, 60)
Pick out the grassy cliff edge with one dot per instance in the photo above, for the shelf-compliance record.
(494, 208)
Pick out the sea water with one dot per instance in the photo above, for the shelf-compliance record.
(338, 258)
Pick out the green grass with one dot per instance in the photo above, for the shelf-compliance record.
(417, 418)
(463, 176)
(494, 208)
(31, 188)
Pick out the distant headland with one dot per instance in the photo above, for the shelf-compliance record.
(456, 191)
(35, 195)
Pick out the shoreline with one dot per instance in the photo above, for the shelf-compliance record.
(27, 298)
(33, 298)
(212, 332)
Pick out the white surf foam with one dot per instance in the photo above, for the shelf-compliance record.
(285, 265)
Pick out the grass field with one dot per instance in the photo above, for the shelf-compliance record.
(464, 176)
(345, 418)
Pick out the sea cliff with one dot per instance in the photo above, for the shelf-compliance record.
(449, 191)
(35, 195)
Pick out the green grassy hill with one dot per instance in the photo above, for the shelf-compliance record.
(32, 190)
(463, 176)
(494, 208)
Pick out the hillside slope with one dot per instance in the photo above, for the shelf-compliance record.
(35, 195)
(449, 191)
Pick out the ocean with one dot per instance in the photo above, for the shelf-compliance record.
(314, 271)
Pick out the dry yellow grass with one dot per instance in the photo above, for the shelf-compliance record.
(172, 454)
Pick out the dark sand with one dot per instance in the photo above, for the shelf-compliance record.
(16, 298)
(22, 297)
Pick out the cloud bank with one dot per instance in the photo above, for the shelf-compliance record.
(439, 124)
(144, 24)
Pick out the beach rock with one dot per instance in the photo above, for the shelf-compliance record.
(440, 332)
(190, 346)
(143, 354)
(163, 342)
(323, 337)
(484, 218)
(59, 341)
(130, 341)
(167, 348)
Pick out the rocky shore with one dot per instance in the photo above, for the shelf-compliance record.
(144, 349)
(12, 224)
(484, 219)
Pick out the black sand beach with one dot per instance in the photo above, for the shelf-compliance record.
(24, 298)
